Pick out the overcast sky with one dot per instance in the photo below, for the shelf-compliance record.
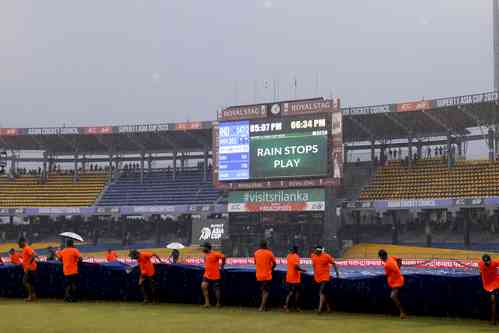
(92, 62)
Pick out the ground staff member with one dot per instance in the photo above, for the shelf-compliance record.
(293, 279)
(30, 269)
(490, 282)
(213, 262)
(147, 273)
(321, 263)
(70, 257)
(394, 278)
(265, 264)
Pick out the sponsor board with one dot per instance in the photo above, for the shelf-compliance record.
(277, 200)
(414, 106)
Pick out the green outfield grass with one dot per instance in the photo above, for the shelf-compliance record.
(55, 316)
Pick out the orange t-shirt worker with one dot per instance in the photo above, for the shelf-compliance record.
(322, 267)
(111, 256)
(29, 264)
(490, 278)
(264, 262)
(15, 258)
(394, 277)
(212, 266)
(145, 264)
(293, 275)
(70, 257)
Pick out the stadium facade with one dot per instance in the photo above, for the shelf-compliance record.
(173, 171)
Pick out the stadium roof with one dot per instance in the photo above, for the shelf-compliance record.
(416, 119)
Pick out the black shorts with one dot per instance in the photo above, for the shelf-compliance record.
(71, 279)
(324, 286)
(30, 277)
(265, 285)
(294, 287)
(212, 283)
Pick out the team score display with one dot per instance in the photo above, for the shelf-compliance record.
(308, 124)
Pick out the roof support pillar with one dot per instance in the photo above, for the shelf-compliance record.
(44, 170)
(149, 162)
(419, 148)
(13, 164)
(491, 143)
(76, 173)
(409, 146)
(373, 151)
(450, 153)
(205, 164)
(111, 165)
(174, 174)
(142, 160)
(83, 163)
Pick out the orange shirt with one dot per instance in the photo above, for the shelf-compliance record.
(70, 257)
(28, 253)
(322, 267)
(490, 279)
(111, 256)
(293, 275)
(145, 264)
(15, 258)
(264, 261)
(394, 276)
(212, 265)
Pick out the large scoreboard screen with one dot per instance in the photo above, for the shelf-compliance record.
(287, 147)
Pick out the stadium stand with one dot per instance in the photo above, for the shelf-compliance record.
(57, 191)
(370, 251)
(433, 179)
(160, 188)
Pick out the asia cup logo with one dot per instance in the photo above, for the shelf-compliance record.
(214, 232)
(205, 234)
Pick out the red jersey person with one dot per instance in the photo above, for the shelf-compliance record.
(147, 273)
(30, 269)
(490, 282)
(70, 257)
(293, 279)
(265, 264)
(214, 262)
(394, 278)
(321, 263)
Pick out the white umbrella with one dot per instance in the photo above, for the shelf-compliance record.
(72, 235)
(175, 246)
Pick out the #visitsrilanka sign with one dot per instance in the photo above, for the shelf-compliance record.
(295, 200)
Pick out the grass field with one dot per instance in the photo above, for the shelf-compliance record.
(162, 252)
(55, 316)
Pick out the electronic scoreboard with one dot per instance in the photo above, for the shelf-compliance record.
(274, 148)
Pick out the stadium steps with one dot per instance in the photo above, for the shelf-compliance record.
(159, 188)
(432, 179)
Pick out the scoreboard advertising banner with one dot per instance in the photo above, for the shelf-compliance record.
(288, 200)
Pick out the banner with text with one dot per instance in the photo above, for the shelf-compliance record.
(295, 200)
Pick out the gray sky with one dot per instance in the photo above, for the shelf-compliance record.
(94, 62)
